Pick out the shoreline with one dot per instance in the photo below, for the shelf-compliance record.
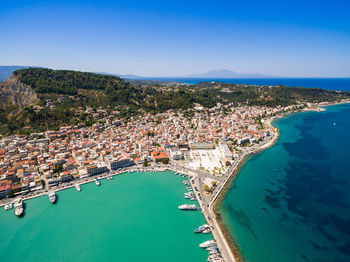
(214, 206)
(228, 247)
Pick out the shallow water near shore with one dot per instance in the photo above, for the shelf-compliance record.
(134, 217)
(291, 202)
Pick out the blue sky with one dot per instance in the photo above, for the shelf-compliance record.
(174, 38)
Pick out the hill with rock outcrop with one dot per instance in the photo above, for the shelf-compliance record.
(15, 93)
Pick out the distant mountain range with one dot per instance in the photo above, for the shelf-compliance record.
(129, 76)
(218, 73)
(224, 73)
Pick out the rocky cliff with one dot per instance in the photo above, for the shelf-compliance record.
(14, 92)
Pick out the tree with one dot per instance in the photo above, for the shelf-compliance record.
(165, 161)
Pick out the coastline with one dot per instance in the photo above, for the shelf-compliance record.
(214, 208)
(220, 233)
(222, 193)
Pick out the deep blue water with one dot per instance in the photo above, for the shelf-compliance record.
(291, 202)
(340, 84)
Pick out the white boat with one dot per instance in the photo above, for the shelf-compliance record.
(77, 187)
(8, 206)
(109, 178)
(188, 207)
(97, 182)
(201, 228)
(18, 207)
(208, 243)
(52, 197)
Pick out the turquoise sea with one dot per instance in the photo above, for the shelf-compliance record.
(134, 217)
(291, 202)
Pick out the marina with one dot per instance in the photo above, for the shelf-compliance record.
(137, 189)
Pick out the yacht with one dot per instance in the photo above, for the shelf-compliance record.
(52, 197)
(188, 207)
(18, 207)
(97, 182)
(208, 243)
(77, 187)
(8, 206)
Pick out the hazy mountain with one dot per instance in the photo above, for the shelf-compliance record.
(129, 76)
(6, 71)
(224, 73)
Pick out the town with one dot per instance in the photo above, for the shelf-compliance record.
(206, 140)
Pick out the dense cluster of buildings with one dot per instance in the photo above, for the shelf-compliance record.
(46, 159)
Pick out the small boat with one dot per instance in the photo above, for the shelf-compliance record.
(208, 243)
(19, 207)
(8, 206)
(334, 123)
(201, 228)
(77, 187)
(97, 182)
(109, 178)
(52, 197)
(188, 207)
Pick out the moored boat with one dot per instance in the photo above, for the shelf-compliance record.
(52, 197)
(77, 187)
(208, 243)
(97, 182)
(201, 228)
(188, 207)
(8, 206)
(19, 207)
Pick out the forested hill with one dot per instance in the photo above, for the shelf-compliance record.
(67, 81)
(102, 90)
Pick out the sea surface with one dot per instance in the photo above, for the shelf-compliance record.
(134, 217)
(340, 84)
(291, 202)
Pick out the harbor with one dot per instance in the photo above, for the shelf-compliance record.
(154, 197)
(194, 185)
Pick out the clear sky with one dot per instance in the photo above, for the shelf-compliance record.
(293, 38)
